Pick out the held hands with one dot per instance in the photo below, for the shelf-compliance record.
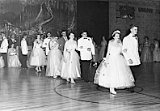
(105, 61)
(94, 61)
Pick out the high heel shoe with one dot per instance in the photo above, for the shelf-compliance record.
(36, 69)
(72, 81)
(112, 91)
(67, 79)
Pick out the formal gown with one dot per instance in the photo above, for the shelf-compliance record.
(13, 59)
(70, 64)
(1, 62)
(37, 57)
(54, 60)
(146, 55)
(156, 52)
(114, 71)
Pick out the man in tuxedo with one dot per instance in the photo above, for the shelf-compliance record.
(87, 53)
(46, 43)
(62, 40)
(130, 50)
(24, 51)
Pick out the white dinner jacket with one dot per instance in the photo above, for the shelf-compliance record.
(86, 42)
(46, 45)
(24, 47)
(130, 49)
(4, 46)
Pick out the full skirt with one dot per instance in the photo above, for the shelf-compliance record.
(114, 73)
(71, 66)
(54, 63)
(1, 62)
(156, 55)
(146, 55)
(37, 57)
(13, 61)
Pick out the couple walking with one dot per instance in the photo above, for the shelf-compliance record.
(114, 71)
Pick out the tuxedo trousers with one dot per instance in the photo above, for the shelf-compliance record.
(24, 61)
(135, 72)
(85, 70)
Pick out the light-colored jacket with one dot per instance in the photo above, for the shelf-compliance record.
(46, 45)
(83, 44)
(24, 47)
(130, 49)
(4, 46)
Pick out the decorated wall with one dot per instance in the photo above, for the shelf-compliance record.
(144, 14)
(43, 15)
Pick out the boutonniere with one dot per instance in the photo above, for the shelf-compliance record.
(136, 37)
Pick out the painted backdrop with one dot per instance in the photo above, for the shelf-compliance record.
(42, 15)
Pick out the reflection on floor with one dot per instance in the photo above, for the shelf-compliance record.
(26, 90)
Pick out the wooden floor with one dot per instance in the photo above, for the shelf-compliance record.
(26, 90)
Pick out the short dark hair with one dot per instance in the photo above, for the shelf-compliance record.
(132, 25)
(24, 34)
(2, 33)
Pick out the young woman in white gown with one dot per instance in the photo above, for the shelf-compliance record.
(146, 55)
(37, 57)
(70, 65)
(54, 59)
(1, 62)
(156, 52)
(13, 60)
(113, 72)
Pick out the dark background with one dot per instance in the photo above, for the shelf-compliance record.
(93, 17)
(90, 16)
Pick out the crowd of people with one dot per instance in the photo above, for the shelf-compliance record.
(59, 56)
(70, 59)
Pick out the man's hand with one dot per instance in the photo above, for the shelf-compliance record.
(130, 61)
(125, 50)
(95, 64)
(94, 58)
(88, 49)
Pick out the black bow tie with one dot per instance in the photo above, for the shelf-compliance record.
(135, 37)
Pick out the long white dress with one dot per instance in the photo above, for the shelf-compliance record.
(1, 62)
(146, 55)
(114, 71)
(13, 60)
(70, 63)
(38, 57)
(54, 60)
(156, 52)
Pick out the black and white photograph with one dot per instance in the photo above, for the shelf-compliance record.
(79, 55)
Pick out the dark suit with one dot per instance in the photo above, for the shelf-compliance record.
(61, 42)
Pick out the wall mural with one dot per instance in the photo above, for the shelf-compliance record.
(40, 16)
